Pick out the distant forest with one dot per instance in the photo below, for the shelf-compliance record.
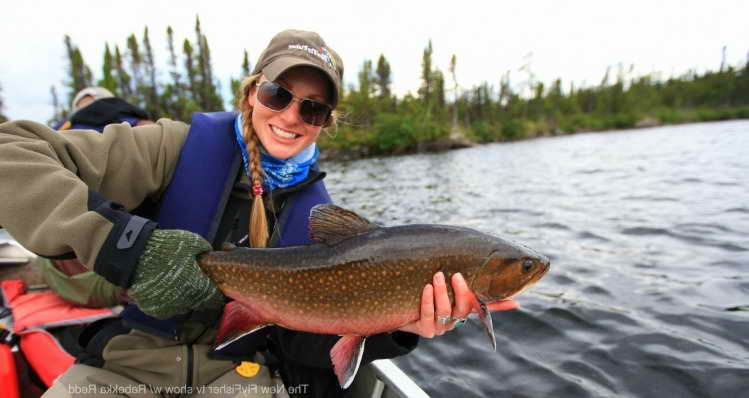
(375, 121)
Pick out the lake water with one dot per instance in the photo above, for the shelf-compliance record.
(648, 234)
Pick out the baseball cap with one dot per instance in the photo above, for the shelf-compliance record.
(96, 93)
(292, 48)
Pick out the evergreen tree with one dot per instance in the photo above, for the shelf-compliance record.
(174, 72)
(236, 84)
(425, 92)
(60, 111)
(505, 89)
(2, 106)
(79, 73)
(246, 64)
(190, 70)
(382, 78)
(362, 98)
(152, 105)
(212, 97)
(126, 91)
(174, 93)
(108, 80)
(453, 66)
(202, 95)
(136, 70)
(438, 89)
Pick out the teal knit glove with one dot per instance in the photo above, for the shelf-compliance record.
(168, 280)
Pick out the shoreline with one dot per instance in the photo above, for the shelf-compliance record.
(459, 140)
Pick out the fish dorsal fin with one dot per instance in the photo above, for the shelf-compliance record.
(331, 224)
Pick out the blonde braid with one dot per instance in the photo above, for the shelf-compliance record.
(258, 228)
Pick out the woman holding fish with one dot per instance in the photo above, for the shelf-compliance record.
(137, 205)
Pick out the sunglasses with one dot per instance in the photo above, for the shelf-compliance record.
(277, 98)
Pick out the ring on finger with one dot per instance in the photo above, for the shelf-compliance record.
(443, 319)
(458, 322)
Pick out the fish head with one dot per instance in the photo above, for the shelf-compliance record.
(508, 271)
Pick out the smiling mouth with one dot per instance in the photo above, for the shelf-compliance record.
(283, 134)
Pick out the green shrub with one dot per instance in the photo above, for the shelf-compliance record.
(620, 121)
(393, 132)
(483, 131)
(742, 113)
(513, 129)
(578, 122)
(670, 116)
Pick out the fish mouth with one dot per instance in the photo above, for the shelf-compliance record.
(531, 281)
(544, 270)
(538, 275)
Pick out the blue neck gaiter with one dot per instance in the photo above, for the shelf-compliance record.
(286, 173)
(279, 173)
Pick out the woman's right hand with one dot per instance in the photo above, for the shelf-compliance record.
(437, 317)
(168, 280)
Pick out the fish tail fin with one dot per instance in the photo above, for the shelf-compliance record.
(486, 320)
(346, 355)
(237, 321)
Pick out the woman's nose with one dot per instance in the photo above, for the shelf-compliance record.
(291, 113)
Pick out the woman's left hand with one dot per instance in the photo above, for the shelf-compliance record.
(436, 315)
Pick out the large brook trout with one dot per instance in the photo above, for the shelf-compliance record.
(362, 279)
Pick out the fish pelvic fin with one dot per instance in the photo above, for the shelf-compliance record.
(331, 224)
(346, 356)
(486, 320)
(237, 321)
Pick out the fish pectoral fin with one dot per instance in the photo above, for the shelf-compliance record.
(237, 321)
(236, 339)
(346, 356)
(331, 224)
(486, 320)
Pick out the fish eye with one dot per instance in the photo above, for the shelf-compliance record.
(527, 265)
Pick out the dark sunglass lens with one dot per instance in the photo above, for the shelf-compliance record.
(274, 96)
(314, 113)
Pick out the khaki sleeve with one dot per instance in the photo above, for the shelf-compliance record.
(68, 191)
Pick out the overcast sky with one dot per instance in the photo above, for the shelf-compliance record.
(573, 40)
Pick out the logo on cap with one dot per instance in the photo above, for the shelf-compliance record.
(322, 53)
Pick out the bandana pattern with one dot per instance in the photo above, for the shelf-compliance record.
(279, 173)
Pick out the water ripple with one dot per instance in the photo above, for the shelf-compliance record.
(647, 232)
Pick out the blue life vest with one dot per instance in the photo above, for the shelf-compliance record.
(196, 198)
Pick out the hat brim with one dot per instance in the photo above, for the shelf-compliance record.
(277, 67)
